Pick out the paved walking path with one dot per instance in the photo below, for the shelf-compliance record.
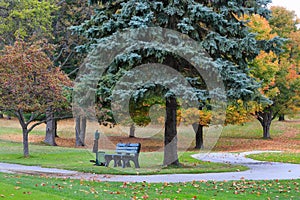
(258, 170)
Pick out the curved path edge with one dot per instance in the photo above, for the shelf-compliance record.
(258, 170)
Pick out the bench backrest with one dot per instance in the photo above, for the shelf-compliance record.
(129, 148)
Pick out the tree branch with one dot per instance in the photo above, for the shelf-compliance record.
(66, 60)
(259, 117)
(275, 115)
(61, 2)
(45, 121)
(60, 53)
(73, 72)
(35, 125)
(20, 116)
(33, 117)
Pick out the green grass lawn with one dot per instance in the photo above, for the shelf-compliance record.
(277, 157)
(78, 159)
(251, 130)
(12, 131)
(32, 187)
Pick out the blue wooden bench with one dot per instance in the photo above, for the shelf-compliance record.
(124, 154)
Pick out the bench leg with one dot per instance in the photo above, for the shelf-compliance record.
(107, 158)
(107, 161)
(125, 163)
(117, 160)
(118, 163)
(136, 163)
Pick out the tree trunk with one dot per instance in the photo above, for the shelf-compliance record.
(77, 131)
(132, 131)
(82, 130)
(170, 148)
(50, 128)
(25, 142)
(198, 128)
(1, 116)
(25, 132)
(55, 128)
(266, 129)
(265, 119)
(281, 118)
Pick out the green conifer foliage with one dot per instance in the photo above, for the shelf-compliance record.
(213, 26)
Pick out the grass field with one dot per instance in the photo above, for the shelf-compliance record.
(66, 129)
(31, 187)
(233, 138)
(277, 157)
(247, 137)
(78, 159)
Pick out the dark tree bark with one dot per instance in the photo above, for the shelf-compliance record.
(25, 142)
(1, 116)
(55, 128)
(266, 130)
(170, 141)
(80, 130)
(77, 132)
(25, 132)
(50, 128)
(198, 128)
(132, 131)
(281, 118)
(265, 118)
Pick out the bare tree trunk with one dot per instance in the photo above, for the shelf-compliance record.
(1, 116)
(77, 130)
(132, 131)
(265, 118)
(25, 132)
(281, 118)
(55, 128)
(25, 142)
(170, 141)
(50, 128)
(82, 130)
(198, 129)
(266, 130)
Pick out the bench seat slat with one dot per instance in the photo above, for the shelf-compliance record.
(127, 147)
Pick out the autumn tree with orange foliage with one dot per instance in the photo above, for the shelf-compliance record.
(280, 81)
(30, 84)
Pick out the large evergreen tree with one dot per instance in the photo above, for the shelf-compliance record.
(212, 25)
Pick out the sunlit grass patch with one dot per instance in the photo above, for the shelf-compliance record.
(277, 157)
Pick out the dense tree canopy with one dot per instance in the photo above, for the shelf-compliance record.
(276, 73)
(30, 84)
(24, 19)
(214, 25)
(69, 13)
